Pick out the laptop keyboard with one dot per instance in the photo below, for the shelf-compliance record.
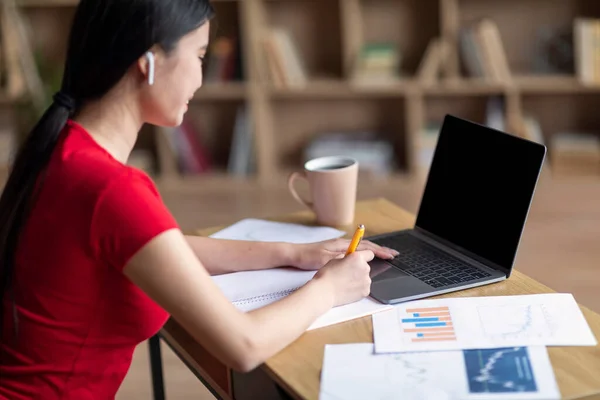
(428, 264)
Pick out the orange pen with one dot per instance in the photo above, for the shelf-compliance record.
(358, 235)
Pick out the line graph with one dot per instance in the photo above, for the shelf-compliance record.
(515, 321)
(504, 370)
(412, 372)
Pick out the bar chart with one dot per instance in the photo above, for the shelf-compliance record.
(429, 324)
(482, 323)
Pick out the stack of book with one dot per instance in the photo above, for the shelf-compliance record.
(586, 36)
(377, 63)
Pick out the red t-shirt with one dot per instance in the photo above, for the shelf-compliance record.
(80, 318)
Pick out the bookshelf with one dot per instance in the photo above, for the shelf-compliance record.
(314, 90)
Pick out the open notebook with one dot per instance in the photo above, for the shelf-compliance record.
(249, 290)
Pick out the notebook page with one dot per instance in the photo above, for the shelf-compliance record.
(249, 290)
(247, 287)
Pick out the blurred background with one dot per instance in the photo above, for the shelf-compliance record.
(289, 80)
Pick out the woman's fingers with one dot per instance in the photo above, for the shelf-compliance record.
(379, 251)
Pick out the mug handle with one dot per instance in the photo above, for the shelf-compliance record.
(292, 178)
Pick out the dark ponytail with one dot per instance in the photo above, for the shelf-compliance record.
(107, 37)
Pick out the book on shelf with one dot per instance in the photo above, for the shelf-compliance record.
(430, 67)
(224, 62)
(242, 160)
(184, 144)
(586, 37)
(286, 68)
(186, 147)
(482, 52)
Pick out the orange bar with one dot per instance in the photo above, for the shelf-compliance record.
(423, 330)
(445, 319)
(437, 339)
(433, 314)
(419, 310)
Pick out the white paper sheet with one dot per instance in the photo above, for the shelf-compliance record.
(354, 371)
(249, 290)
(552, 319)
(271, 231)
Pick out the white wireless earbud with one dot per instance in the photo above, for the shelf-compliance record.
(150, 57)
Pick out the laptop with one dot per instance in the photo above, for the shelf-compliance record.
(477, 196)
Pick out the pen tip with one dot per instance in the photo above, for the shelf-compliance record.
(361, 226)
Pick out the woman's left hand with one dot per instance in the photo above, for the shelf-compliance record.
(312, 256)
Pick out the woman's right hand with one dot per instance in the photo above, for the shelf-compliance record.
(348, 277)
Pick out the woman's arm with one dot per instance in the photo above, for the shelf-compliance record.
(169, 272)
(220, 256)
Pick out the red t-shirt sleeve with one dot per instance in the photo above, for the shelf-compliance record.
(129, 214)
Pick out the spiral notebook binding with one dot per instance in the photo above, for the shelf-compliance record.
(263, 297)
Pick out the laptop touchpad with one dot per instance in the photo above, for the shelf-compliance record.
(394, 282)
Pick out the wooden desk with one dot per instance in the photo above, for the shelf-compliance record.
(297, 368)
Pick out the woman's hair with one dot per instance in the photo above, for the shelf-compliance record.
(107, 37)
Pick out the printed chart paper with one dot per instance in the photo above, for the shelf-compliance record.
(354, 371)
(482, 322)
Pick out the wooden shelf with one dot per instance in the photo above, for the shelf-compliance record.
(221, 91)
(48, 3)
(553, 85)
(340, 89)
(69, 3)
(466, 87)
(328, 35)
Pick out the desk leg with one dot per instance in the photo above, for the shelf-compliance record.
(156, 368)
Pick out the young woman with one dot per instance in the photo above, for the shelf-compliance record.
(91, 261)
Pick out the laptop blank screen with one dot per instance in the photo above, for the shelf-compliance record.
(479, 189)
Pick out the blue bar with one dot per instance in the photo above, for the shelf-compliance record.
(419, 335)
(432, 319)
(430, 324)
(415, 314)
